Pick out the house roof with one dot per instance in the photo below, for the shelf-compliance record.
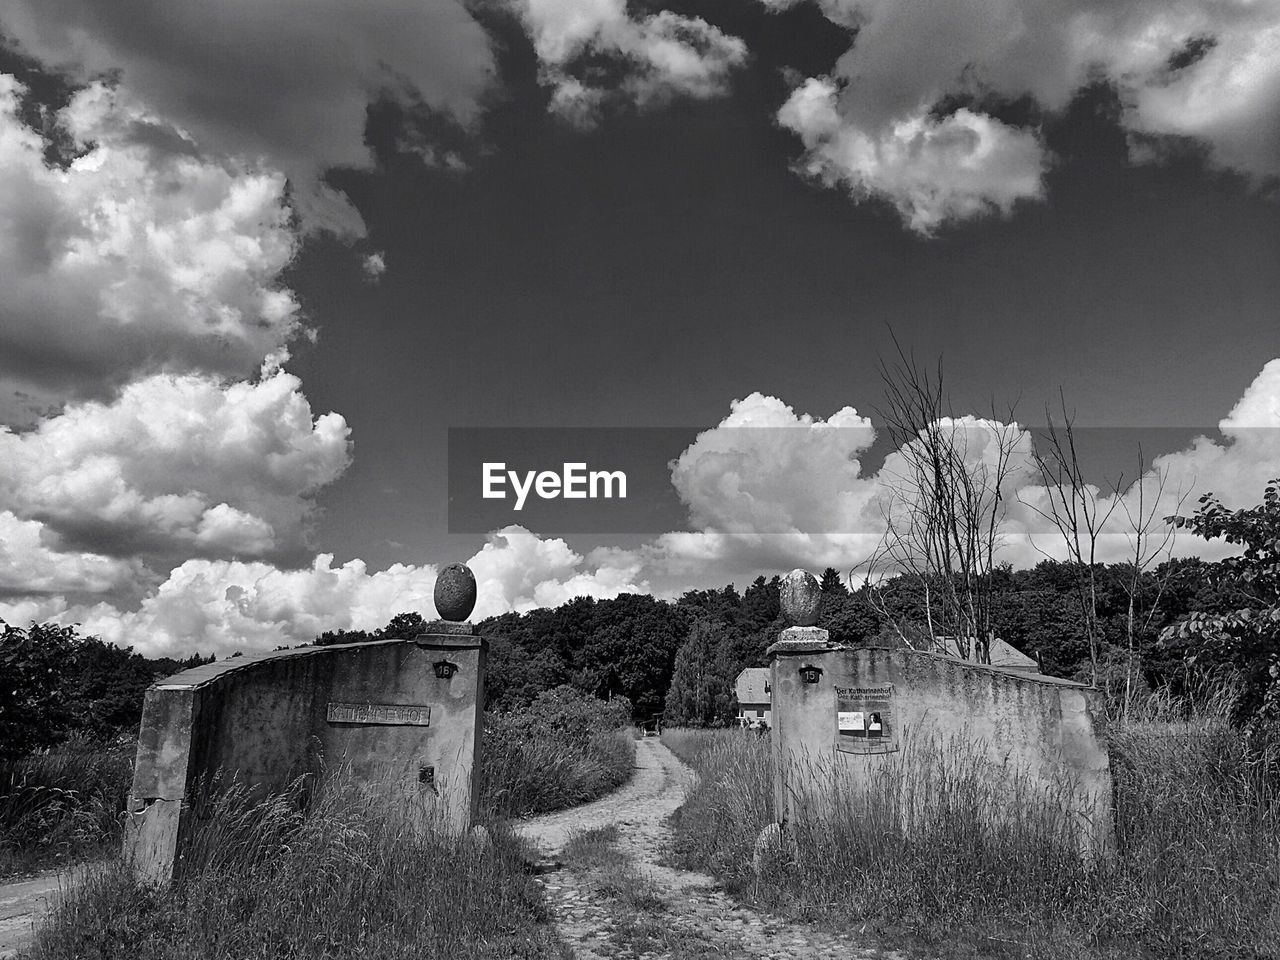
(1003, 654)
(750, 685)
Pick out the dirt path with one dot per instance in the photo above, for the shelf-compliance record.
(716, 926)
(23, 903)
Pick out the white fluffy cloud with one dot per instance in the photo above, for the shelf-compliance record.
(178, 464)
(133, 258)
(288, 81)
(934, 171)
(1208, 69)
(660, 56)
(223, 605)
(30, 566)
(518, 570)
(765, 470)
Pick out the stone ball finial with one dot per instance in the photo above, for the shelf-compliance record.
(801, 598)
(455, 593)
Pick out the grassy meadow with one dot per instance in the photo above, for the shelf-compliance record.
(1197, 872)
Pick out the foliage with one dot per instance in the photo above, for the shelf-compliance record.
(1245, 637)
(701, 693)
(603, 648)
(58, 684)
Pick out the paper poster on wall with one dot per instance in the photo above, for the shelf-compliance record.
(864, 719)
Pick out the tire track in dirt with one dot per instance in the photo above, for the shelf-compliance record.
(695, 903)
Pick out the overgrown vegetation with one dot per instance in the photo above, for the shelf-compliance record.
(1197, 872)
(59, 685)
(564, 749)
(344, 876)
(349, 878)
(62, 805)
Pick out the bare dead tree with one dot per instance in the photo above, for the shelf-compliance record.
(1149, 538)
(944, 508)
(1076, 511)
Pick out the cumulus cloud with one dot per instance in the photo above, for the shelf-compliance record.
(287, 81)
(518, 570)
(132, 259)
(1206, 69)
(178, 464)
(653, 58)
(765, 469)
(933, 170)
(30, 565)
(225, 605)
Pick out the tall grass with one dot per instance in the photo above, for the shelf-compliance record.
(565, 748)
(66, 804)
(62, 805)
(526, 771)
(1197, 873)
(330, 869)
(348, 877)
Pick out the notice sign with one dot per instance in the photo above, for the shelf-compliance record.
(396, 714)
(864, 719)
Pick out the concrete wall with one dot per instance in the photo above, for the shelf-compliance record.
(1040, 732)
(269, 719)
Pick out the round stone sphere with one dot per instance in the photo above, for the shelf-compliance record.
(455, 592)
(801, 598)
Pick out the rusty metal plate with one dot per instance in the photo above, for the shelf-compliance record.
(395, 714)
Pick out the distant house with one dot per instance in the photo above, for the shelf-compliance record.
(755, 697)
(1003, 654)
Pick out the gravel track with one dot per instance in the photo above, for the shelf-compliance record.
(695, 903)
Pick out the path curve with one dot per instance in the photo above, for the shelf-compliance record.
(694, 900)
(23, 903)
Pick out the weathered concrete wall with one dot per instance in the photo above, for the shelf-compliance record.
(1040, 730)
(268, 719)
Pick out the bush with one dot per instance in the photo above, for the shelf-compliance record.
(565, 749)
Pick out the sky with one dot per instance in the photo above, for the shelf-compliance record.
(272, 272)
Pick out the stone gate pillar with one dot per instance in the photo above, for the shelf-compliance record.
(847, 718)
(400, 717)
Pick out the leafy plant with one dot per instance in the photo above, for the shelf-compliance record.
(1245, 637)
